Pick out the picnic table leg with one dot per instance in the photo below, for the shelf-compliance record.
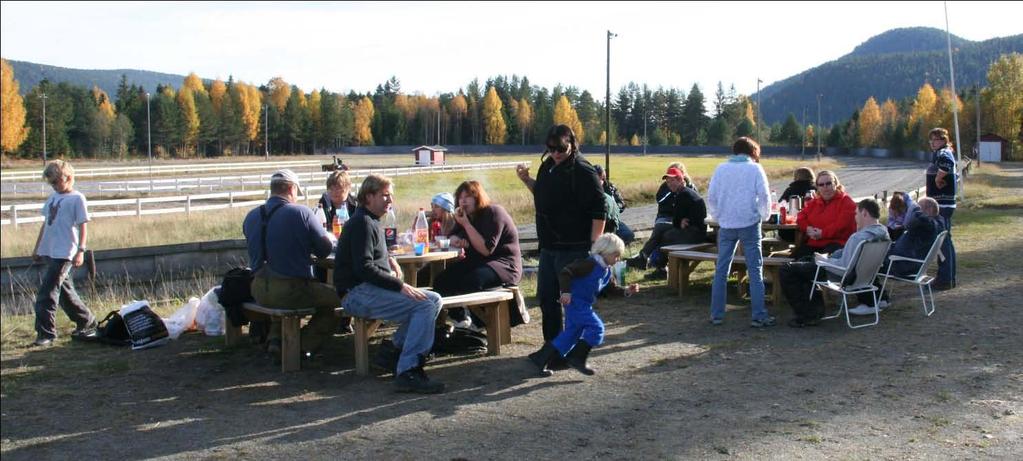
(232, 333)
(503, 313)
(291, 347)
(490, 314)
(674, 266)
(775, 286)
(685, 269)
(410, 274)
(364, 329)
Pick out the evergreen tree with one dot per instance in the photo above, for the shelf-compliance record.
(694, 118)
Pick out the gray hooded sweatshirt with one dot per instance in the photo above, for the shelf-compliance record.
(872, 233)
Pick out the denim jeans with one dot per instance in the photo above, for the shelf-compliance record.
(415, 319)
(548, 290)
(727, 239)
(55, 288)
(947, 268)
(625, 233)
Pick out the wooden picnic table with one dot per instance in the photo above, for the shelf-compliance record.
(674, 264)
(687, 260)
(409, 263)
(766, 226)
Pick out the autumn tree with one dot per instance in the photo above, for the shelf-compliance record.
(457, 110)
(194, 84)
(494, 127)
(188, 119)
(524, 117)
(921, 115)
(363, 118)
(14, 130)
(1003, 99)
(564, 114)
(870, 124)
(278, 91)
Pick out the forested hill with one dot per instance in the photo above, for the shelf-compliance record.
(890, 65)
(29, 75)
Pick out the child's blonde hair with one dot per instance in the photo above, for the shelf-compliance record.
(607, 244)
(57, 169)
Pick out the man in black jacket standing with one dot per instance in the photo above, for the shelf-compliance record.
(570, 212)
(369, 281)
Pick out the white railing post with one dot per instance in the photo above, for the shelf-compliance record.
(14, 215)
(138, 207)
(188, 205)
(230, 199)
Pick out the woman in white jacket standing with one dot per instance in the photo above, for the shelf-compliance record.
(739, 198)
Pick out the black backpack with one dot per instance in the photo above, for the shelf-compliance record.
(456, 340)
(111, 330)
(235, 289)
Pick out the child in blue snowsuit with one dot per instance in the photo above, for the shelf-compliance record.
(580, 283)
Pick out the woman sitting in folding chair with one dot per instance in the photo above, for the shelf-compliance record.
(798, 278)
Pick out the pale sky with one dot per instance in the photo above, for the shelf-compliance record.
(439, 47)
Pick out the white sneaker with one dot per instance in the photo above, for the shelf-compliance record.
(463, 324)
(862, 309)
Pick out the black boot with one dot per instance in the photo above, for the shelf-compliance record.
(415, 380)
(577, 358)
(637, 262)
(543, 357)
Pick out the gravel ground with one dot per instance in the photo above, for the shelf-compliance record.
(669, 385)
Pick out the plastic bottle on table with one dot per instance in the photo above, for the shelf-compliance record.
(321, 216)
(390, 225)
(421, 231)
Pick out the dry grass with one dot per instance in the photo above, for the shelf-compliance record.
(637, 176)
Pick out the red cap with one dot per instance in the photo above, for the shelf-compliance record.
(673, 172)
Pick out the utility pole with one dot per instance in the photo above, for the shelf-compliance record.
(266, 131)
(43, 96)
(757, 115)
(644, 131)
(607, 111)
(976, 97)
(819, 127)
(149, 142)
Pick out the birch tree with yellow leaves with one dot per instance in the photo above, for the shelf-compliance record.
(13, 119)
(565, 114)
(494, 127)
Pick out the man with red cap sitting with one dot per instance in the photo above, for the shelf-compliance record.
(680, 216)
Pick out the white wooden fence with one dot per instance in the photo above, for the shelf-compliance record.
(163, 169)
(233, 199)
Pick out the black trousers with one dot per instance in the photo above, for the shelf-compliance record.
(465, 277)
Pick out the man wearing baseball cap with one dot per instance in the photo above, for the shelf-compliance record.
(281, 236)
(687, 213)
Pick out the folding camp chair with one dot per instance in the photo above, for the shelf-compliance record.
(920, 278)
(864, 265)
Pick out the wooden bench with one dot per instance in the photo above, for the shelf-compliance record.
(673, 265)
(491, 306)
(687, 261)
(291, 337)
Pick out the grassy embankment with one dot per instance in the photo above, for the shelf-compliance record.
(637, 178)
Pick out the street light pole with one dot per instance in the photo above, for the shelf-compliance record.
(757, 115)
(266, 130)
(149, 142)
(44, 128)
(644, 131)
(607, 111)
(819, 128)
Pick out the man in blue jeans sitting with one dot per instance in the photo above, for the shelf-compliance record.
(369, 281)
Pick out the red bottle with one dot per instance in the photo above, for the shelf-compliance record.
(782, 218)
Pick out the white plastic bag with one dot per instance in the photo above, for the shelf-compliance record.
(210, 316)
(183, 319)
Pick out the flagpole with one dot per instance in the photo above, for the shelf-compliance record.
(955, 105)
